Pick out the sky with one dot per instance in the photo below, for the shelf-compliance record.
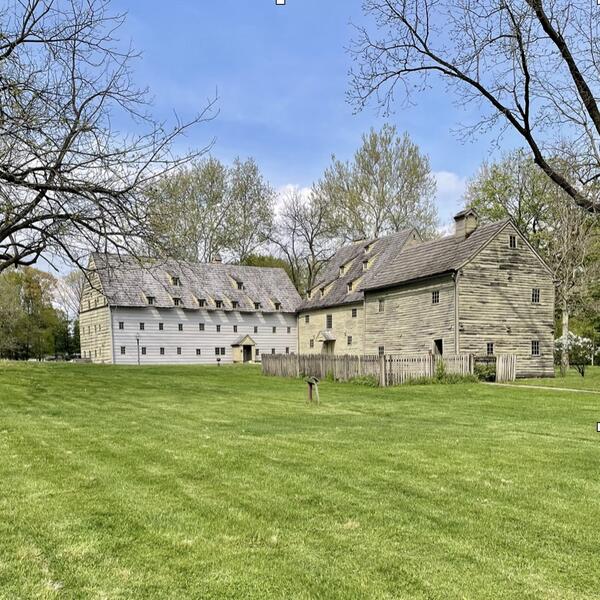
(280, 74)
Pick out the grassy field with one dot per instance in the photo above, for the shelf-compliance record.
(591, 380)
(182, 482)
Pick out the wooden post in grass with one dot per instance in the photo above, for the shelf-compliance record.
(313, 386)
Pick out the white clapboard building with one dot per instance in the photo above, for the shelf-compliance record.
(173, 312)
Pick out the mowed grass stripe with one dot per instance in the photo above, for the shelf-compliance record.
(175, 482)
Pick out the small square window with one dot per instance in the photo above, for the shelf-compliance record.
(240, 285)
(218, 329)
(328, 321)
(349, 340)
(255, 329)
(307, 319)
(122, 350)
(143, 350)
(161, 326)
(198, 352)
(179, 351)
(312, 343)
(535, 348)
(201, 302)
(354, 313)
(121, 325)
(435, 297)
(222, 351)
(201, 326)
(219, 303)
(512, 241)
(490, 348)
(151, 300)
(162, 351)
(180, 326)
(235, 328)
(257, 306)
(177, 301)
(535, 295)
(142, 326)
(175, 280)
(274, 329)
(287, 350)
(381, 305)
(381, 350)
(272, 350)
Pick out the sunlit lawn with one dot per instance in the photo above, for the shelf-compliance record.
(590, 381)
(177, 482)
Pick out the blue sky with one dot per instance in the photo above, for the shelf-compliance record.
(281, 74)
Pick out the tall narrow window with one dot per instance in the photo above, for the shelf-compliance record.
(217, 351)
(121, 325)
(289, 330)
(218, 329)
(435, 297)
(179, 351)
(258, 352)
(161, 326)
(256, 329)
(350, 285)
(381, 305)
(142, 326)
(381, 350)
(354, 313)
(219, 303)
(512, 241)
(349, 340)
(162, 351)
(240, 285)
(235, 304)
(122, 350)
(222, 351)
(365, 265)
(312, 343)
(307, 319)
(287, 350)
(143, 350)
(328, 321)
(535, 295)
(490, 348)
(274, 329)
(235, 329)
(535, 348)
(180, 326)
(201, 326)
(198, 352)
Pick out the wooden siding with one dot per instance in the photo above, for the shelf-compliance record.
(495, 305)
(94, 324)
(191, 338)
(344, 325)
(410, 322)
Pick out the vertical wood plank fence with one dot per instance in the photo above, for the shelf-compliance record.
(389, 369)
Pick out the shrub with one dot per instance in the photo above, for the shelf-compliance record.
(444, 379)
(580, 351)
(485, 371)
(367, 380)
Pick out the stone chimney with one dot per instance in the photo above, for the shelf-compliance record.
(466, 222)
(217, 260)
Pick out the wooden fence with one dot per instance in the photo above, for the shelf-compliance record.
(389, 369)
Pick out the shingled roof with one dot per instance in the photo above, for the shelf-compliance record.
(126, 282)
(378, 251)
(428, 259)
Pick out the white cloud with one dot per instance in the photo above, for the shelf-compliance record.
(449, 197)
(285, 190)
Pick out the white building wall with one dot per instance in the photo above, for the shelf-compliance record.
(191, 337)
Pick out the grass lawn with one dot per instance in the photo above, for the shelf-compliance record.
(202, 482)
(573, 379)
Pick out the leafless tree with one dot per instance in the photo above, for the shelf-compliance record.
(71, 180)
(531, 66)
(68, 293)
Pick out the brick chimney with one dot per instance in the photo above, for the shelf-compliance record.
(465, 223)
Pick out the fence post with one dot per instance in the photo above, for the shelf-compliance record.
(382, 381)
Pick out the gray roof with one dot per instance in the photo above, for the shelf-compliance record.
(128, 282)
(381, 250)
(434, 258)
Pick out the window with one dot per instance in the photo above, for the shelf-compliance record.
(312, 343)
(287, 350)
(121, 325)
(307, 319)
(142, 326)
(354, 313)
(177, 301)
(201, 302)
(289, 330)
(222, 351)
(95, 302)
(535, 295)
(257, 352)
(512, 241)
(240, 285)
(218, 329)
(342, 269)
(179, 351)
(235, 329)
(175, 280)
(328, 321)
(274, 329)
(435, 297)
(277, 305)
(235, 304)
(201, 326)
(535, 348)
(365, 265)
(308, 294)
(219, 303)
(180, 326)
(162, 351)
(151, 300)
(490, 348)
(322, 292)
(255, 329)
(349, 287)
(349, 340)
(198, 352)
(257, 306)
(272, 350)
(217, 351)
(381, 305)
(161, 326)
(143, 350)
(95, 353)
(122, 350)
(381, 350)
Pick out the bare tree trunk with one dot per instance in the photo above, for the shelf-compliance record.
(564, 356)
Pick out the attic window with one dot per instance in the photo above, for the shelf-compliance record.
(257, 306)
(322, 292)
(201, 302)
(177, 301)
(219, 303)
(342, 269)
(277, 305)
(512, 242)
(235, 304)
(175, 280)
(435, 297)
(240, 285)
(365, 265)
(151, 300)
(367, 248)
(350, 287)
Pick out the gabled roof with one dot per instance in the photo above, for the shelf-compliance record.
(428, 259)
(245, 340)
(380, 253)
(127, 282)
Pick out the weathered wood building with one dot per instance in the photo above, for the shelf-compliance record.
(483, 290)
(183, 313)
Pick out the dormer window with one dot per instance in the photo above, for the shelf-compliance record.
(235, 304)
(308, 294)
(257, 306)
(322, 292)
(240, 285)
(151, 300)
(219, 303)
(350, 285)
(177, 302)
(277, 305)
(365, 265)
(175, 280)
(367, 248)
(342, 270)
(201, 302)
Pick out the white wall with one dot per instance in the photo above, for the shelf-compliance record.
(191, 337)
